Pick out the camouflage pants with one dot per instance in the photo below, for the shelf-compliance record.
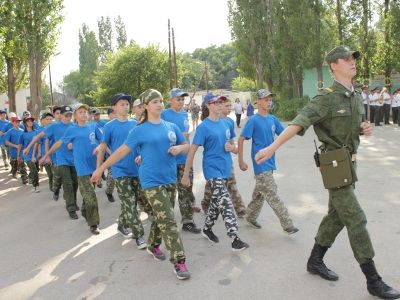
(4, 154)
(162, 200)
(237, 201)
(49, 171)
(57, 179)
(221, 203)
(19, 166)
(90, 209)
(129, 215)
(33, 173)
(266, 189)
(70, 186)
(344, 210)
(140, 196)
(186, 198)
(110, 184)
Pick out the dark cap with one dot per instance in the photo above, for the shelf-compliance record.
(66, 109)
(46, 114)
(109, 111)
(26, 113)
(28, 118)
(264, 93)
(211, 98)
(95, 111)
(120, 96)
(3, 111)
(341, 52)
(177, 92)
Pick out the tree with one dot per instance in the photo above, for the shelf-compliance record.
(14, 52)
(105, 37)
(88, 51)
(132, 70)
(39, 26)
(121, 32)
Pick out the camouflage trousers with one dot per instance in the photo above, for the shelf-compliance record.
(110, 184)
(186, 198)
(140, 196)
(33, 173)
(4, 154)
(237, 201)
(69, 180)
(344, 210)
(128, 217)
(57, 179)
(221, 203)
(49, 171)
(90, 209)
(19, 166)
(162, 200)
(266, 189)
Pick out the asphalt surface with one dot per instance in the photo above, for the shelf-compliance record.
(45, 255)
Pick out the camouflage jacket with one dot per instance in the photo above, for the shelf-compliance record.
(336, 114)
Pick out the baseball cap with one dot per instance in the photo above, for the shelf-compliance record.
(2, 111)
(26, 118)
(149, 95)
(93, 111)
(120, 96)
(109, 111)
(80, 105)
(177, 92)
(14, 119)
(211, 98)
(46, 114)
(137, 102)
(264, 93)
(341, 52)
(65, 109)
(26, 113)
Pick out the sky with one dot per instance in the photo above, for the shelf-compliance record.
(196, 23)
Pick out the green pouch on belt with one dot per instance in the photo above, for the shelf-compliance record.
(337, 169)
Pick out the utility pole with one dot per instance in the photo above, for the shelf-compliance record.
(206, 73)
(51, 88)
(174, 56)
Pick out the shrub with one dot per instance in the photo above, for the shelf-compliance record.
(286, 110)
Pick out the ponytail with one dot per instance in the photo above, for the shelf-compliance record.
(204, 111)
(144, 117)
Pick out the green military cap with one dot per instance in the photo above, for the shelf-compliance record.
(341, 52)
(149, 95)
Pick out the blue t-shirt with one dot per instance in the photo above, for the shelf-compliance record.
(213, 135)
(14, 136)
(99, 125)
(26, 138)
(250, 110)
(114, 135)
(84, 141)
(55, 132)
(158, 167)
(181, 120)
(4, 127)
(262, 130)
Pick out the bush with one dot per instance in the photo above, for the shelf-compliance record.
(286, 110)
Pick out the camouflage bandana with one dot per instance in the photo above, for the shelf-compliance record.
(149, 95)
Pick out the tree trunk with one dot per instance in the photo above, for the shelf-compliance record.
(11, 82)
(339, 20)
(387, 54)
(318, 52)
(365, 58)
(35, 80)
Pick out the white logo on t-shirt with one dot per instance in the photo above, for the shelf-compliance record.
(228, 134)
(273, 130)
(172, 138)
(92, 138)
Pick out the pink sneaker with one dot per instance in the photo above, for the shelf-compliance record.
(181, 271)
(157, 253)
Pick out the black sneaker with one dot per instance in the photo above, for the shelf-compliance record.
(291, 230)
(73, 215)
(238, 244)
(191, 227)
(94, 229)
(110, 197)
(56, 194)
(208, 234)
(123, 231)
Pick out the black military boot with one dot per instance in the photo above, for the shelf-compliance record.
(375, 284)
(315, 264)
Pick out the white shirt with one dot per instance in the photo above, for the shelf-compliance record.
(365, 97)
(237, 106)
(373, 99)
(387, 98)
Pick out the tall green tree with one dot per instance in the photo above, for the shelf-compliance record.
(88, 51)
(105, 37)
(13, 51)
(39, 27)
(121, 32)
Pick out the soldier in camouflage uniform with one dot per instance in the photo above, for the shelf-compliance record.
(262, 128)
(335, 113)
(159, 142)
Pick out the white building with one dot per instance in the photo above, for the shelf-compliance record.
(21, 100)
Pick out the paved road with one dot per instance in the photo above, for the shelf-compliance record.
(45, 255)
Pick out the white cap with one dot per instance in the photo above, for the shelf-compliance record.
(137, 102)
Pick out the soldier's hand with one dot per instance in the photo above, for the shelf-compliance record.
(185, 180)
(366, 128)
(263, 155)
(243, 166)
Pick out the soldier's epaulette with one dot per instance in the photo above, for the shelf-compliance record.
(324, 91)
